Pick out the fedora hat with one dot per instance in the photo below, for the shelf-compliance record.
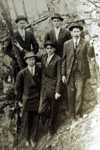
(49, 43)
(57, 16)
(75, 25)
(29, 55)
(21, 18)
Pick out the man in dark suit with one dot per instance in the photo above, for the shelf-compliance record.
(25, 41)
(58, 35)
(28, 89)
(50, 87)
(75, 68)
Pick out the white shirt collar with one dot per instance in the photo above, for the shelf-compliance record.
(57, 30)
(22, 33)
(32, 69)
(49, 58)
(78, 40)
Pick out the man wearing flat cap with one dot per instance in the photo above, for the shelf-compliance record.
(28, 90)
(50, 87)
(75, 68)
(58, 35)
(25, 40)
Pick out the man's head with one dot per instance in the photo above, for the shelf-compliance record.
(30, 59)
(50, 47)
(56, 20)
(75, 30)
(21, 22)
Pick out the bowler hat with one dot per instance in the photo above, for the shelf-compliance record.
(58, 16)
(49, 43)
(29, 55)
(21, 18)
(75, 25)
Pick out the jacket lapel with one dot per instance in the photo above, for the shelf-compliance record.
(61, 33)
(53, 35)
(51, 59)
(20, 37)
(79, 46)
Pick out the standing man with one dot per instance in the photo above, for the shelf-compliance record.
(50, 87)
(58, 35)
(25, 41)
(75, 68)
(28, 90)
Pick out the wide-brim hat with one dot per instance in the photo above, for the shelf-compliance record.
(49, 43)
(21, 18)
(75, 25)
(57, 16)
(30, 55)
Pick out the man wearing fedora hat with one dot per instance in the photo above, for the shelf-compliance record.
(58, 35)
(25, 40)
(28, 90)
(75, 68)
(50, 87)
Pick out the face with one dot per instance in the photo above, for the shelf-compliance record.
(56, 22)
(30, 61)
(22, 24)
(75, 32)
(50, 50)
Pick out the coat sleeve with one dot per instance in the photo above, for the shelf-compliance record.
(64, 61)
(19, 85)
(35, 46)
(58, 86)
(90, 52)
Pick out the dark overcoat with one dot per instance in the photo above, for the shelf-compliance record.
(51, 81)
(28, 44)
(29, 41)
(63, 36)
(28, 88)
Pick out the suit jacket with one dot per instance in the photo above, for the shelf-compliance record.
(29, 40)
(64, 35)
(83, 51)
(51, 74)
(28, 87)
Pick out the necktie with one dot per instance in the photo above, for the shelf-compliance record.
(75, 44)
(32, 71)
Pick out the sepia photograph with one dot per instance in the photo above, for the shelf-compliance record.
(49, 75)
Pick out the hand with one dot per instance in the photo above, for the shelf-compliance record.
(20, 104)
(91, 42)
(64, 79)
(57, 96)
(19, 46)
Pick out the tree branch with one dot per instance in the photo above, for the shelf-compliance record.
(93, 3)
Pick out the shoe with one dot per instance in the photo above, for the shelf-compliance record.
(33, 144)
(27, 144)
(49, 136)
